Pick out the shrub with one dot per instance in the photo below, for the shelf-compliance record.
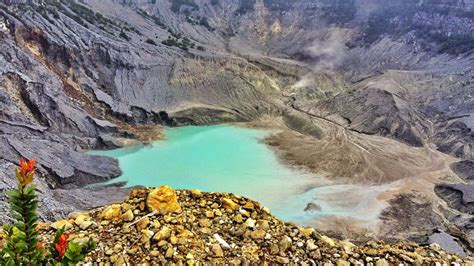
(22, 245)
(150, 41)
(302, 124)
(184, 44)
(205, 23)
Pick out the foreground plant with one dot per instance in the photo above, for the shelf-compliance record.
(22, 245)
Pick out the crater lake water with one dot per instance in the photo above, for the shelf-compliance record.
(227, 158)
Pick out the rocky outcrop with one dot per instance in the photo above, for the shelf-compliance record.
(220, 228)
(459, 196)
(374, 111)
(464, 169)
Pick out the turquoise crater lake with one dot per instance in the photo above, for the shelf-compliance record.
(226, 158)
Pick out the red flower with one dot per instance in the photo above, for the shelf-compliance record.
(39, 245)
(25, 172)
(62, 245)
(26, 168)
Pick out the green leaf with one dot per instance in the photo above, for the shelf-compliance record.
(30, 190)
(10, 262)
(58, 234)
(13, 193)
(21, 246)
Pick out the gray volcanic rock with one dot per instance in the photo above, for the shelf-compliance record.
(376, 111)
(66, 166)
(464, 169)
(415, 218)
(459, 196)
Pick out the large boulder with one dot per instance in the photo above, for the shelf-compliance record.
(163, 200)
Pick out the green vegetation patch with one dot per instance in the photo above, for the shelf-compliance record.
(202, 21)
(302, 124)
(183, 44)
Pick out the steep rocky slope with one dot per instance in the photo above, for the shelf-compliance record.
(79, 75)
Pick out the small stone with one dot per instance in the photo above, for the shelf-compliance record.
(109, 252)
(263, 224)
(112, 212)
(163, 200)
(238, 218)
(312, 207)
(169, 253)
(215, 205)
(189, 256)
(173, 240)
(218, 212)
(74, 215)
(382, 262)
(244, 213)
(347, 246)
(274, 249)
(284, 243)
(142, 206)
(154, 253)
(117, 248)
(144, 223)
(120, 261)
(156, 224)
(250, 223)
(80, 218)
(163, 234)
(196, 193)
(310, 246)
(230, 204)
(306, 232)
(128, 216)
(86, 224)
(62, 224)
(81, 240)
(209, 214)
(328, 241)
(206, 231)
(258, 234)
(168, 219)
(249, 206)
(146, 235)
(217, 251)
(125, 207)
(266, 210)
(205, 223)
(341, 262)
(435, 246)
(282, 260)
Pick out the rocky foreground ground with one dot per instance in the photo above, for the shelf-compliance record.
(157, 226)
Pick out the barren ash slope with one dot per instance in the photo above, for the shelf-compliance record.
(363, 91)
